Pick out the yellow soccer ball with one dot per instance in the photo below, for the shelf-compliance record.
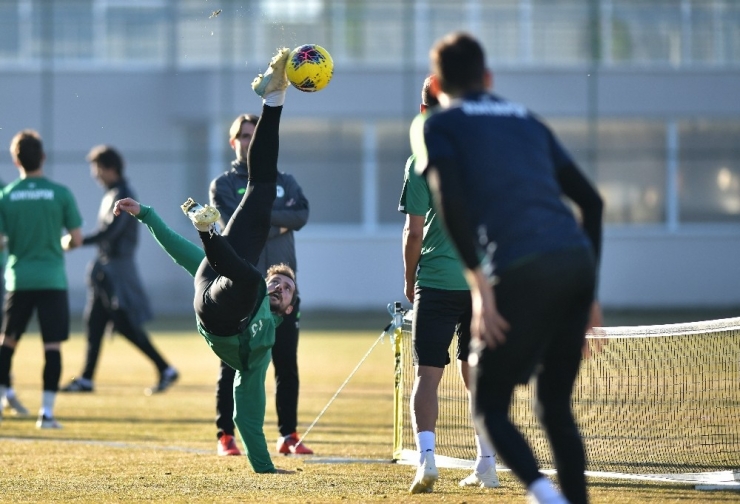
(309, 68)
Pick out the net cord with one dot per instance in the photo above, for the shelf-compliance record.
(390, 330)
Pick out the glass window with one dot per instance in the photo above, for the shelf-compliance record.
(71, 29)
(393, 151)
(630, 170)
(500, 29)
(383, 31)
(646, 32)
(198, 35)
(137, 34)
(292, 10)
(715, 33)
(325, 157)
(560, 32)
(574, 136)
(9, 31)
(709, 173)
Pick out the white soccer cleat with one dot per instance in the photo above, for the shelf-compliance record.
(488, 479)
(426, 475)
(274, 78)
(203, 217)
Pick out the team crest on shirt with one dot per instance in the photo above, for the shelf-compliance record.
(280, 192)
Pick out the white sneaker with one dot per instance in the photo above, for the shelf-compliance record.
(15, 406)
(531, 499)
(274, 78)
(45, 422)
(542, 491)
(488, 479)
(203, 217)
(426, 475)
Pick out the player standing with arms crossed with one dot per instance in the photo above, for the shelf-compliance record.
(498, 175)
(289, 214)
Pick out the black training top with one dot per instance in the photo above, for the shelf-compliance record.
(503, 174)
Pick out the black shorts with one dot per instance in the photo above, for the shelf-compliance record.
(547, 302)
(439, 315)
(52, 307)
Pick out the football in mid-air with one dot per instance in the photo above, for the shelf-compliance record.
(310, 67)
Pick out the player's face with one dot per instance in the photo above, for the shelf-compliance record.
(280, 289)
(242, 141)
(103, 176)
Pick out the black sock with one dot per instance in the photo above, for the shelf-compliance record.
(52, 370)
(6, 357)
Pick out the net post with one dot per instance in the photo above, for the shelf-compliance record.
(396, 326)
(397, 395)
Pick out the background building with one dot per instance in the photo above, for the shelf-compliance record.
(645, 94)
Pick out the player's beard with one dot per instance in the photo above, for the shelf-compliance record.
(275, 302)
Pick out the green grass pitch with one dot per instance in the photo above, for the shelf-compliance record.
(118, 445)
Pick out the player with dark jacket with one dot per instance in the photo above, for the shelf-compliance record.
(289, 214)
(116, 299)
(499, 176)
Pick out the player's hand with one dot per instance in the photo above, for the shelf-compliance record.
(67, 242)
(594, 329)
(409, 290)
(128, 205)
(487, 323)
(595, 319)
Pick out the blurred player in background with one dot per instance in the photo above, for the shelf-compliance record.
(116, 299)
(10, 402)
(33, 213)
(435, 284)
(289, 214)
(498, 175)
(237, 309)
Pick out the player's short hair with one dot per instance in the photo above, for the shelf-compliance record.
(27, 150)
(107, 157)
(428, 99)
(236, 126)
(459, 63)
(285, 270)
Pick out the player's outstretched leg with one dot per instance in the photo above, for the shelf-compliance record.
(274, 78)
(248, 228)
(202, 217)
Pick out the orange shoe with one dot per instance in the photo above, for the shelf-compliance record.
(291, 444)
(227, 446)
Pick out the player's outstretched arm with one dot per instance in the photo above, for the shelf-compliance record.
(128, 205)
(184, 252)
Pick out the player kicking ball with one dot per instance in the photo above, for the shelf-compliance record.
(237, 309)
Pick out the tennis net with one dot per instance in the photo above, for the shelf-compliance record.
(649, 400)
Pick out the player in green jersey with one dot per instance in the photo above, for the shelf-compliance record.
(435, 284)
(33, 212)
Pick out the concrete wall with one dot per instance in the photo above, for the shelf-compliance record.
(146, 115)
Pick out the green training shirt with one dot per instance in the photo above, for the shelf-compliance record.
(439, 264)
(34, 212)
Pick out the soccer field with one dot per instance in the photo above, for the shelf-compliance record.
(119, 445)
